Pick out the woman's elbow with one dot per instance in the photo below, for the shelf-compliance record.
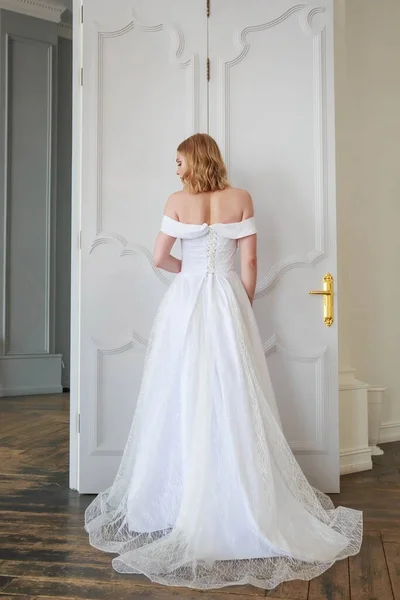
(157, 260)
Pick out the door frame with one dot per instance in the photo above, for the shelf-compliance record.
(76, 205)
(76, 209)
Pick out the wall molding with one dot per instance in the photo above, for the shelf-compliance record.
(30, 391)
(357, 385)
(30, 374)
(348, 381)
(390, 432)
(64, 30)
(45, 344)
(34, 8)
(40, 10)
(355, 460)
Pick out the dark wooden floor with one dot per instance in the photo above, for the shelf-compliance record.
(44, 551)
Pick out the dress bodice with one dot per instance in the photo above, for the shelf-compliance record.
(208, 248)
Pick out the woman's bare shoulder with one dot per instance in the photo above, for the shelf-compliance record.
(174, 202)
(177, 196)
(236, 193)
(242, 200)
(240, 193)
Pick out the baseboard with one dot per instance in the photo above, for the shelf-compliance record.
(30, 374)
(30, 391)
(390, 432)
(355, 460)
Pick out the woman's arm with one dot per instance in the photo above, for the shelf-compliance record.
(162, 254)
(248, 252)
(248, 264)
(162, 251)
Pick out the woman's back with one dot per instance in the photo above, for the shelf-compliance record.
(222, 206)
(231, 205)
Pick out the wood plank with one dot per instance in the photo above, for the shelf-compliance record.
(390, 535)
(379, 524)
(392, 554)
(105, 591)
(369, 577)
(95, 573)
(66, 556)
(235, 591)
(5, 581)
(18, 597)
(293, 590)
(26, 518)
(38, 507)
(79, 571)
(73, 572)
(78, 542)
(9, 534)
(43, 530)
(333, 584)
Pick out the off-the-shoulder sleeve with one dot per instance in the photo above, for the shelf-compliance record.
(238, 230)
(181, 230)
(169, 226)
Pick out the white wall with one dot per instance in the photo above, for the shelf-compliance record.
(369, 200)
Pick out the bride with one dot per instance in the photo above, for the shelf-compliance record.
(208, 493)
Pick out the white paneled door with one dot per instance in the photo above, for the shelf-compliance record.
(269, 104)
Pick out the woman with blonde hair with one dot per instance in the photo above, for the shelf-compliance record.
(208, 493)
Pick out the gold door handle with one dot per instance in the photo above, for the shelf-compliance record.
(328, 294)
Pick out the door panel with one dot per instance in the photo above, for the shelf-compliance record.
(272, 112)
(144, 90)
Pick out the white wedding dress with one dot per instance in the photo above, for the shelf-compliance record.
(208, 493)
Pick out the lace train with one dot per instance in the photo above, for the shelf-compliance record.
(208, 493)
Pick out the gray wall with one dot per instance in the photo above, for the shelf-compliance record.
(63, 227)
(35, 204)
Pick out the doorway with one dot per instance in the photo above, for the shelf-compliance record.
(259, 79)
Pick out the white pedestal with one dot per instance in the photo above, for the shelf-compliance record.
(375, 403)
(355, 451)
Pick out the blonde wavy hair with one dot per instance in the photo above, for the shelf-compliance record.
(206, 170)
